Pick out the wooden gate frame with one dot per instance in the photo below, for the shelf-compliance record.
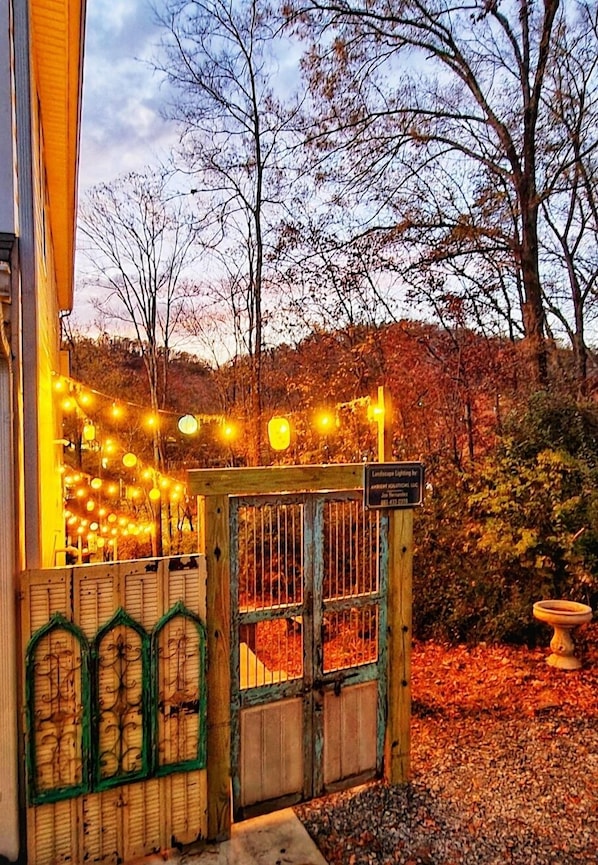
(214, 487)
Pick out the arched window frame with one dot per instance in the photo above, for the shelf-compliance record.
(36, 796)
(121, 619)
(199, 761)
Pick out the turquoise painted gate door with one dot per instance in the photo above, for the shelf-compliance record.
(308, 582)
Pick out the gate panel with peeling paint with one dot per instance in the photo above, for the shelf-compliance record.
(308, 576)
(115, 710)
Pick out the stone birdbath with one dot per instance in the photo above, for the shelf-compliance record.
(562, 616)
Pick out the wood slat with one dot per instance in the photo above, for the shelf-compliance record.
(275, 479)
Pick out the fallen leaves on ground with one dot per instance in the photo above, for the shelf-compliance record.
(452, 681)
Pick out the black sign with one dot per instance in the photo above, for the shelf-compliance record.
(393, 485)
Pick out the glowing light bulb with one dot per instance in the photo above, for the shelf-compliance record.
(279, 433)
(89, 431)
(129, 460)
(325, 422)
(188, 424)
(95, 483)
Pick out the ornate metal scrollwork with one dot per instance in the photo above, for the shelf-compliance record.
(121, 677)
(122, 708)
(57, 689)
(178, 652)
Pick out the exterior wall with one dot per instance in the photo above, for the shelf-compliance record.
(7, 152)
(37, 77)
(48, 534)
(9, 454)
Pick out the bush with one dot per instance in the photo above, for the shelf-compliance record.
(520, 527)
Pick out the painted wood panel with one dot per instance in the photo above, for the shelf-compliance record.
(129, 820)
(350, 732)
(52, 832)
(142, 826)
(102, 827)
(271, 751)
(185, 797)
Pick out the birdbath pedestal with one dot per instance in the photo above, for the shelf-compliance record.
(562, 616)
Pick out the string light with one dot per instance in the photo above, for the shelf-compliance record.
(325, 421)
(75, 398)
(89, 431)
(188, 424)
(279, 433)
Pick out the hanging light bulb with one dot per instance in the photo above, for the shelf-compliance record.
(188, 424)
(279, 433)
(325, 421)
(154, 494)
(230, 431)
(95, 483)
(89, 431)
(129, 460)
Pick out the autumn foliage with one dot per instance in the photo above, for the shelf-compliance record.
(510, 513)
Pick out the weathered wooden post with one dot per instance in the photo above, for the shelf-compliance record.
(215, 521)
(397, 765)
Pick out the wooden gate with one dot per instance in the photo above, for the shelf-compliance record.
(318, 699)
(115, 709)
(308, 577)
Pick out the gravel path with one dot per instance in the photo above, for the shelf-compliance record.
(504, 770)
(519, 791)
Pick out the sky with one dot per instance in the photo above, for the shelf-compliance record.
(122, 128)
(121, 124)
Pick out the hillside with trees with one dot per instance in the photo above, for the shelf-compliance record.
(511, 508)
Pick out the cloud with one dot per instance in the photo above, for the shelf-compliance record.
(122, 126)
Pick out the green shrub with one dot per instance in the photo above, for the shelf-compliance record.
(520, 527)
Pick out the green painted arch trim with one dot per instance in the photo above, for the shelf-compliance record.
(120, 619)
(179, 610)
(57, 622)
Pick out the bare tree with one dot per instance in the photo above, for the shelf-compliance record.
(138, 237)
(219, 58)
(439, 102)
(570, 246)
